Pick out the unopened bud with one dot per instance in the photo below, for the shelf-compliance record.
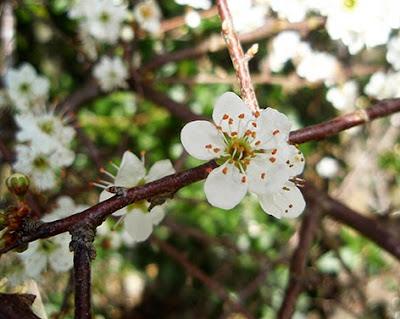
(18, 184)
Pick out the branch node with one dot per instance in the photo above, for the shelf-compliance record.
(83, 236)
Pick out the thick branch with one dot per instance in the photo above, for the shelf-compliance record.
(82, 281)
(239, 61)
(298, 262)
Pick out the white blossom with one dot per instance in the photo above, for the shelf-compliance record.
(292, 10)
(138, 221)
(253, 154)
(148, 15)
(383, 85)
(393, 52)
(247, 15)
(284, 47)
(197, 4)
(343, 97)
(25, 87)
(318, 66)
(110, 73)
(327, 167)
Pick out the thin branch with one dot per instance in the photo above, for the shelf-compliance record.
(204, 278)
(299, 258)
(239, 59)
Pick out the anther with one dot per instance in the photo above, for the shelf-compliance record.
(253, 134)
(225, 170)
(262, 175)
(230, 121)
(286, 211)
(241, 149)
(244, 179)
(234, 133)
(209, 169)
(216, 150)
(241, 116)
(246, 162)
(290, 206)
(258, 143)
(274, 151)
(248, 132)
(286, 188)
(219, 128)
(257, 114)
(275, 132)
(235, 145)
(272, 159)
(209, 146)
(225, 117)
(254, 124)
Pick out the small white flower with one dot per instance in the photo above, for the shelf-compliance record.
(105, 20)
(254, 155)
(197, 4)
(327, 167)
(148, 15)
(393, 52)
(137, 220)
(383, 85)
(55, 250)
(25, 87)
(343, 97)
(192, 19)
(247, 16)
(110, 73)
(284, 47)
(293, 10)
(318, 66)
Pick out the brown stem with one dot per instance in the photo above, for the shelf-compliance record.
(82, 280)
(299, 258)
(239, 60)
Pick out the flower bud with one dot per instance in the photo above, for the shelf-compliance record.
(18, 184)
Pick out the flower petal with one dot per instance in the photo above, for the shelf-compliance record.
(61, 259)
(202, 140)
(296, 160)
(156, 215)
(232, 105)
(104, 195)
(288, 202)
(160, 169)
(267, 174)
(273, 127)
(130, 172)
(225, 190)
(138, 225)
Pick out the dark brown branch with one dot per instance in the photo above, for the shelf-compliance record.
(371, 228)
(17, 306)
(239, 61)
(329, 128)
(82, 281)
(88, 92)
(197, 273)
(299, 258)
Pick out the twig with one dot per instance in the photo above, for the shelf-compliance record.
(239, 59)
(299, 258)
(196, 272)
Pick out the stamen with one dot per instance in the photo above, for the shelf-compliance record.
(246, 162)
(234, 133)
(272, 159)
(219, 128)
(209, 146)
(254, 124)
(142, 156)
(241, 149)
(225, 170)
(257, 114)
(209, 169)
(248, 132)
(290, 206)
(262, 175)
(258, 143)
(230, 121)
(241, 116)
(225, 117)
(286, 188)
(235, 145)
(274, 151)
(275, 132)
(102, 170)
(216, 150)
(253, 134)
(244, 179)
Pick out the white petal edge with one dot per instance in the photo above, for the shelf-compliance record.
(232, 105)
(131, 171)
(284, 203)
(138, 225)
(225, 190)
(197, 134)
(160, 169)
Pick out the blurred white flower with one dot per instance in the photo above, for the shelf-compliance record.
(284, 47)
(197, 4)
(25, 87)
(148, 15)
(192, 19)
(343, 97)
(327, 167)
(383, 85)
(293, 10)
(137, 219)
(110, 73)
(246, 15)
(318, 66)
(393, 52)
